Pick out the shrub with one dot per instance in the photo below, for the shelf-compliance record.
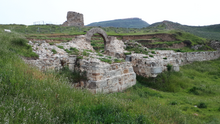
(79, 57)
(106, 60)
(61, 47)
(54, 51)
(128, 53)
(118, 60)
(74, 51)
(169, 67)
(85, 53)
(173, 103)
(51, 43)
(202, 105)
(165, 58)
(67, 51)
(99, 54)
(151, 56)
(19, 41)
(153, 52)
(145, 57)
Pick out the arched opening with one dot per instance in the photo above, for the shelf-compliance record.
(97, 35)
(98, 43)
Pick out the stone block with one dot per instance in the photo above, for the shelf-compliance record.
(126, 71)
(92, 85)
(101, 84)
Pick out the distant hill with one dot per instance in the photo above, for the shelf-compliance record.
(209, 32)
(125, 23)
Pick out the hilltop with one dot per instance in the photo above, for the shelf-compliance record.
(125, 23)
(209, 32)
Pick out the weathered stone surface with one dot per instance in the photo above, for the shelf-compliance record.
(103, 77)
(143, 66)
(74, 19)
(100, 31)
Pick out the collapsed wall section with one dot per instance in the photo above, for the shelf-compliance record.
(106, 78)
(152, 66)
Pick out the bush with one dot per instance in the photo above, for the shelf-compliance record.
(54, 51)
(173, 103)
(51, 43)
(153, 52)
(118, 60)
(202, 105)
(165, 58)
(85, 53)
(145, 57)
(74, 51)
(99, 54)
(19, 41)
(106, 60)
(79, 57)
(61, 47)
(169, 67)
(151, 56)
(129, 53)
(68, 51)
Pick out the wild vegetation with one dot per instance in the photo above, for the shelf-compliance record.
(30, 96)
(209, 32)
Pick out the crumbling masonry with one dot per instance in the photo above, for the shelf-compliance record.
(103, 77)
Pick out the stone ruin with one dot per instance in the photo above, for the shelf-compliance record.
(102, 77)
(74, 19)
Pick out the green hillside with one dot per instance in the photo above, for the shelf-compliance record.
(125, 23)
(28, 95)
(209, 32)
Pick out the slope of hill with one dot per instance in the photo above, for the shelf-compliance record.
(27, 95)
(126, 23)
(209, 32)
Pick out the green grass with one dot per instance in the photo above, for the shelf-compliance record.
(170, 43)
(61, 47)
(106, 60)
(151, 56)
(54, 51)
(196, 84)
(137, 50)
(128, 53)
(85, 53)
(119, 60)
(30, 96)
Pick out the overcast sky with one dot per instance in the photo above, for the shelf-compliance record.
(187, 12)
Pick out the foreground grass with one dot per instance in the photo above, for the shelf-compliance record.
(30, 96)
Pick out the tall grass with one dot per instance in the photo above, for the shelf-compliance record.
(30, 96)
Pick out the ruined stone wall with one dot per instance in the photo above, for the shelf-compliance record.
(101, 77)
(151, 66)
(107, 78)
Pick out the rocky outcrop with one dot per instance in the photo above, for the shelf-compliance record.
(74, 19)
(215, 45)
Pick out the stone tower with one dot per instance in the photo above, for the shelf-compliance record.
(74, 19)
